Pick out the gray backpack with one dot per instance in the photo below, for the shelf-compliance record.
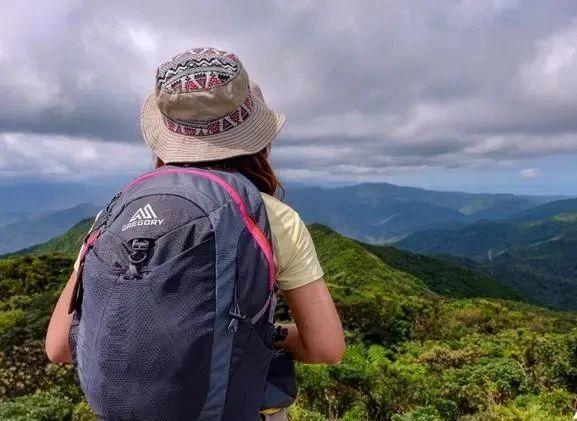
(174, 306)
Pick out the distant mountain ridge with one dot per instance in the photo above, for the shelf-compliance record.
(384, 213)
(68, 243)
(28, 231)
(37, 197)
(548, 210)
(370, 212)
(507, 235)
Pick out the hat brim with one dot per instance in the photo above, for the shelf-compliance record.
(249, 137)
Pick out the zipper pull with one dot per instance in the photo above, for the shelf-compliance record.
(138, 255)
(233, 325)
(235, 317)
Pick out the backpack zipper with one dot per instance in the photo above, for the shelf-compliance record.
(235, 312)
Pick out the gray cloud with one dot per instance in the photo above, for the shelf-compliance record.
(368, 87)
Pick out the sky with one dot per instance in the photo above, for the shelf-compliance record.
(473, 95)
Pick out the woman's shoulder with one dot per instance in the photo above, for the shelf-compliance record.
(278, 211)
(295, 252)
(285, 223)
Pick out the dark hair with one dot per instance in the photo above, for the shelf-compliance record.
(255, 167)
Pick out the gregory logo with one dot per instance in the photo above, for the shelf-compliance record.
(143, 216)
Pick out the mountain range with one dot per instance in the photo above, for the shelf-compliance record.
(27, 230)
(527, 243)
(374, 213)
(381, 212)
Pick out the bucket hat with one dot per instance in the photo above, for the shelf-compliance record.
(205, 108)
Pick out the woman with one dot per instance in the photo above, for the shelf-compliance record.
(206, 113)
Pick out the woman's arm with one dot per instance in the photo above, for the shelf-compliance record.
(317, 335)
(57, 346)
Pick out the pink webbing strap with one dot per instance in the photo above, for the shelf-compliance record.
(252, 227)
(90, 240)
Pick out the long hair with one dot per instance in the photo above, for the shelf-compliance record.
(255, 167)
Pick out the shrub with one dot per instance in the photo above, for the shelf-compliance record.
(440, 358)
(22, 369)
(82, 412)
(479, 386)
(11, 323)
(421, 414)
(42, 406)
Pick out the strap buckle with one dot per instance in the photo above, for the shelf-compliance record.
(140, 245)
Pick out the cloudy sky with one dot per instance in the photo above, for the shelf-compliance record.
(476, 95)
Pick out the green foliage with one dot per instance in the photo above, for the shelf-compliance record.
(25, 369)
(445, 278)
(21, 369)
(41, 406)
(29, 275)
(555, 405)
(82, 412)
(413, 354)
(298, 413)
(29, 286)
(420, 414)
(10, 322)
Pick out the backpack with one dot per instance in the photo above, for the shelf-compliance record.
(174, 305)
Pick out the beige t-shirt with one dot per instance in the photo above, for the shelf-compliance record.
(295, 254)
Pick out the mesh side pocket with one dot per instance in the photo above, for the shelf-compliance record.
(247, 383)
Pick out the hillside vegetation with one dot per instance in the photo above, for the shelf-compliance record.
(413, 353)
(534, 252)
(445, 278)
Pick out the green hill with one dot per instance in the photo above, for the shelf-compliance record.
(413, 353)
(370, 275)
(444, 278)
(531, 255)
(549, 210)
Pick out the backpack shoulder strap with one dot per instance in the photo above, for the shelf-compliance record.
(87, 243)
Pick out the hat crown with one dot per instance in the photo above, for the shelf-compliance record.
(201, 84)
(196, 70)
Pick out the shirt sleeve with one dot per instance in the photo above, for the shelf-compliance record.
(296, 255)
